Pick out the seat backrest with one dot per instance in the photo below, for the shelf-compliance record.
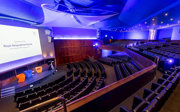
(24, 105)
(151, 107)
(137, 100)
(146, 93)
(165, 76)
(160, 80)
(35, 101)
(154, 86)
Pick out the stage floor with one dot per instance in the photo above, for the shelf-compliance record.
(36, 80)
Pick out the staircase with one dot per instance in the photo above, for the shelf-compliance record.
(9, 91)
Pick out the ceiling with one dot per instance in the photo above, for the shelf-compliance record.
(118, 14)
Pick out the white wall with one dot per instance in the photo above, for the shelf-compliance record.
(47, 47)
(176, 33)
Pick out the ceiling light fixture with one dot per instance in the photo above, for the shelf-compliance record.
(162, 22)
(171, 19)
(166, 14)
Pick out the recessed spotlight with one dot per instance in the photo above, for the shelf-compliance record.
(166, 14)
(145, 22)
(178, 22)
(153, 19)
(162, 22)
(171, 19)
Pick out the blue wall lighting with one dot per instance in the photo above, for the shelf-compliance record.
(96, 44)
(170, 61)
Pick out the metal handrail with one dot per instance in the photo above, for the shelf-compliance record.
(62, 99)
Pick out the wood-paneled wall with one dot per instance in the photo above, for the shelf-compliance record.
(74, 50)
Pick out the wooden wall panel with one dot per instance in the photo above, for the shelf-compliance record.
(67, 51)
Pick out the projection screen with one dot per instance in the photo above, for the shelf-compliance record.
(18, 43)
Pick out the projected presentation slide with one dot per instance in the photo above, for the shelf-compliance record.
(18, 43)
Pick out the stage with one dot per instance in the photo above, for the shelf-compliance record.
(14, 87)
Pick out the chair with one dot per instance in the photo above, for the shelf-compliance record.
(35, 101)
(28, 73)
(24, 105)
(53, 94)
(118, 72)
(29, 91)
(37, 89)
(137, 100)
(48, 90)
(18, 95)
(41, 92)
(148, 95)
(21, 77)
(38, 69)
(45, 98)
(32, 96)
(21, 99)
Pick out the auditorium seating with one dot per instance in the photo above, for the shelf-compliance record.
(70, 69)
(76, 84)
(123, 65)
(118, 72)
(88, 76)
(102, 69)
(83, 67)
(154, 97)
(164, 51)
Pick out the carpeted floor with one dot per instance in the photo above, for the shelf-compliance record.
(173, 102)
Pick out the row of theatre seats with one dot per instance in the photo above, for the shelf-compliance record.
(123, 65)
(163, 50)
(125, 69)
(86, 64)
(76, 84)
(154, 97)
(114, 59)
